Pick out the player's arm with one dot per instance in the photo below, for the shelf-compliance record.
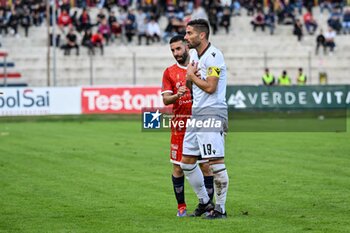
(170, 98)
(210, 84)
(189, 84)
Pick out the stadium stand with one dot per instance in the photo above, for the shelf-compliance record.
(247, 53)
(7, 75)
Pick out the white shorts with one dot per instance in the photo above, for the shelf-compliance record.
(204, 144)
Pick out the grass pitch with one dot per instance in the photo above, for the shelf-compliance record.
(108, 176)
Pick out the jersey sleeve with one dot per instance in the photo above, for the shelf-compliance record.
(166, 83)
(214, 64)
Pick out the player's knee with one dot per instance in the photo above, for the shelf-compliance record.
(188, 159)
(177, 171)
(218, 167)
(205, 167)
(216, 161)
(188, 167)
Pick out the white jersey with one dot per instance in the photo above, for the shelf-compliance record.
(211, 63)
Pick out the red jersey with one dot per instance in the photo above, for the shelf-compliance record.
(64, 19)
(174, 77)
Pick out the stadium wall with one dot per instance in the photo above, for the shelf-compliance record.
(130, 100)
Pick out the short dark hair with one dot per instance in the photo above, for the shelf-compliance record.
(177, 38)
(200, 25)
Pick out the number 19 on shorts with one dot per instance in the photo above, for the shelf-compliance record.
(207, 149)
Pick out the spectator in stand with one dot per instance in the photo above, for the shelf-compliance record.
(298, 29)
(213, 19)
(270, 21)
(75, 20)
(109, 5)
(236, 8)
(129, 30)
(326, 4)
(116, 28)
(65, 6)
(153, 30)
(334, 21)
(37, 15)
(97, 41)
(64, 20)
(226, 20)
(199, 13)
(86, 41)
(226, 3)
(100, 16)
(132, 17)
(82, 3)
(284, 79)
(259, 20)
(84, 21)
(346, 21)
(13, 22)
(72, 42)
(330, 39)
(19, 7)
(320, 41)
(123, 3)
(250, 8)
(286, 13)
(105, 30)
(170, 29)
(310, 22)
(3, 22)
(140, 16)
(180, 10)
(142, 31)
(26, 21)
(298, 4)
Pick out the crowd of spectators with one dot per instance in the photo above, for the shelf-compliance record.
(299, 14)
(138, 22)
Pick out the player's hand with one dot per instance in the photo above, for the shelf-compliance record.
(181, 91)
(192, 69)
(198, 73)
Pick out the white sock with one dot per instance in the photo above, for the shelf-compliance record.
(195, 177)
(220, 185)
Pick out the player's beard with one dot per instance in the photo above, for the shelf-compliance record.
(194, 44)
(183, 59)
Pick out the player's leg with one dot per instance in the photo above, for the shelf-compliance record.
(195, 177)
(194, 174)
(221, 182)
(213, 148)
(179, 189)
(178, 178)
(208, 177)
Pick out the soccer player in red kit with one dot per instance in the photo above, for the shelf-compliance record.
(174, 91)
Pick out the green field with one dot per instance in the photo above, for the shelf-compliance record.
(86, 175)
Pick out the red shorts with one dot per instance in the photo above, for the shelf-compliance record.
(176, 147)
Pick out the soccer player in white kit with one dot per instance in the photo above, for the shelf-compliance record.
(206, 73)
